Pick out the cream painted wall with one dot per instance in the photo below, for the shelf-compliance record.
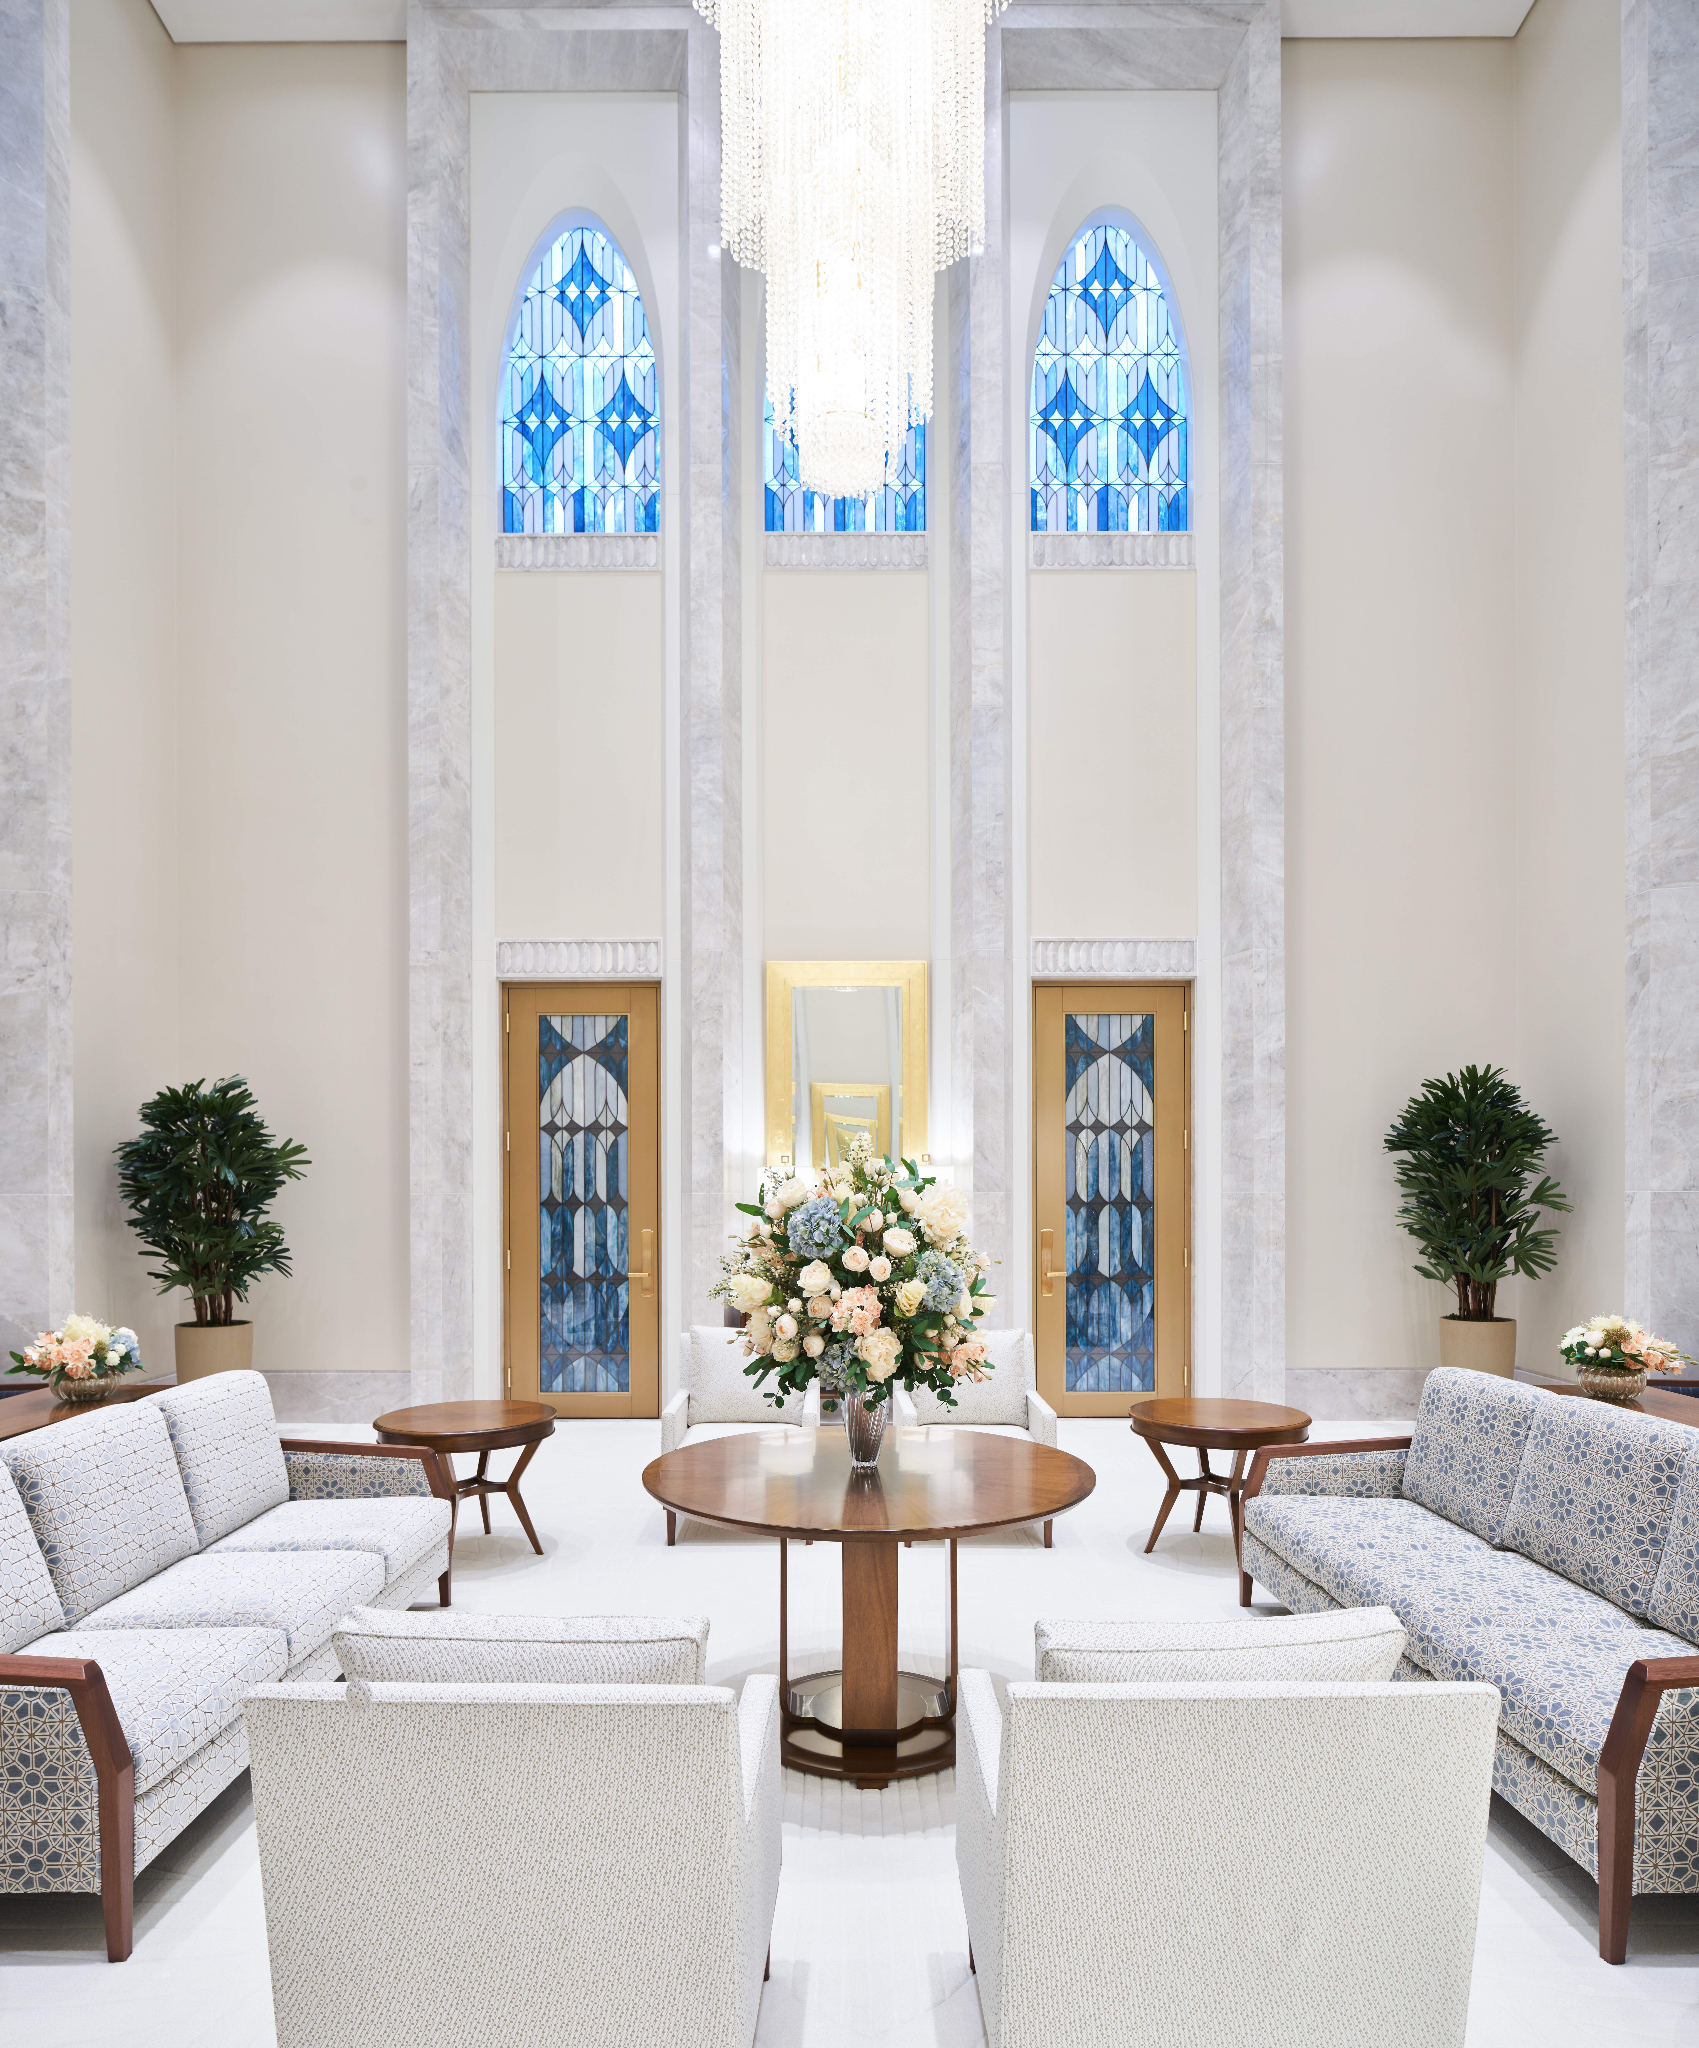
(291, 801)
(844, 778)
(1114, 666)
(1569, 624)
(579, 659)
(125, 788)
(1400, 648)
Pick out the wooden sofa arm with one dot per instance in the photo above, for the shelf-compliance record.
(438, 1476)
(115, 1780)
(1341, 1447)
(1619, 1767)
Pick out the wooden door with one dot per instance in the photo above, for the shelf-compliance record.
(582, 1197)
(1111, 1194)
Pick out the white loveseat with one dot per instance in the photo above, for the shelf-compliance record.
(156, 1562)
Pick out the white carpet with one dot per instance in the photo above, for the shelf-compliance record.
(868, 1944)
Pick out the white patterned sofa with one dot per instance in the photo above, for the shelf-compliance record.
(718, 1398)
(1344, 1911)
(156, 1562)
(1544, 1544)
(630, 1814)
(1005, 1403)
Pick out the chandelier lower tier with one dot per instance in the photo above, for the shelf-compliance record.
(852, 171)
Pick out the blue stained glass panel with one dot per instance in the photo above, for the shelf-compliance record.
(1109, 427)
(582, 1129)
(1110, 1189)
(580, 425)
(899, 508)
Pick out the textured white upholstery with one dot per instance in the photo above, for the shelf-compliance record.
(403, 1530)
(28, 1604)
(105, 1503)
(1361, 1645)
(303, 1593)
(577, 1864)
(1000, 1397)
(1341, 1911)
(379, 1646)
(711, 1369)
(224, 1435)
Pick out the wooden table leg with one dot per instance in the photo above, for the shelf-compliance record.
(784, 1628)
(512, 1491)
(1236, 1508)
(481, 1475)
(1205, 1475)
(870, 1636)
(1169, 1498)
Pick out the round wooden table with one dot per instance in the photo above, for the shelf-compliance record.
(1236, 1426)
(482, 1426)
(868, 1720)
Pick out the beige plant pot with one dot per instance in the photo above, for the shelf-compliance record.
(206, 1348)
(1479, 1347)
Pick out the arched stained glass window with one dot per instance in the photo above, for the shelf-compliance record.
(899, 508)
(580, 424)
(1109, 423)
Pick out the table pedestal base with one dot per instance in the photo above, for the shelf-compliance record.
(813, 1739)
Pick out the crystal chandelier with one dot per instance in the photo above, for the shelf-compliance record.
(852, 171)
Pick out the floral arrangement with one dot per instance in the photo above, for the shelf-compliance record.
(80, 1355)
(1613, 1341)
(857, 1277)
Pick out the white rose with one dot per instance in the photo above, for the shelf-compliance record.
(943, 1214)
(775, 1209)
(876, 1221)
(785, 1349)
(909, 1296)
(856, 1259)
(759, 1332)
(814, 1343)
(793, 1304)
(786, 1327)
(899, 1243)
(879, 1268)
(880, 1349)
(820, 1307)
(910, 1201)
(964, 1307)
(750, 1290)
(815, 1278)
(790, 1194)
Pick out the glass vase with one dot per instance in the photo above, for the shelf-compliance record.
(864, 1421)
(1612, 1382)
(80, 1390)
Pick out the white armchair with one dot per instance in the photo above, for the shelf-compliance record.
(1336, 1906)
(717, 1397)
(1005, 1403)
(575, 1864)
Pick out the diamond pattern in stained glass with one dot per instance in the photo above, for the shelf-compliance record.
(1109, 428)
(899, 508)
(582, 1067)
(1110, 1188)
(580, 430)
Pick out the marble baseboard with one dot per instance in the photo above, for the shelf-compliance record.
(298, 1397)
(1347, 1392)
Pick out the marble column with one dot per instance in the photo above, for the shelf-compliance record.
(1660, 256)
(37, 1220)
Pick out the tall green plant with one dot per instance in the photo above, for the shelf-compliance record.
(198, 1182)
(1473, 1187)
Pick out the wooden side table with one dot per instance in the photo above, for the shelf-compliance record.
(482, 1426)
(1236, 1426)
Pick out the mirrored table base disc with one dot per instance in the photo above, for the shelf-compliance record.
(923, 1741)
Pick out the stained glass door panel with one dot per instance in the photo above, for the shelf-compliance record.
(1110, 1210)
(581, 1124)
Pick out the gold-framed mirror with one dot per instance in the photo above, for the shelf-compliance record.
(846, 1054)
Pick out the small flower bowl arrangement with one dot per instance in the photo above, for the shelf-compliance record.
(1612, 1357)
(859, 1277)
(83, 1360)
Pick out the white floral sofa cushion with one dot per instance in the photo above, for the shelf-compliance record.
(29, 1606)
(402, 1533)
(224, 1437)
(303, 1594)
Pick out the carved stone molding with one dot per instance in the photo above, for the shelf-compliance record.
(578, 959)
(1111, 550)
(578, 551)
(846, 551)
(1124, 959)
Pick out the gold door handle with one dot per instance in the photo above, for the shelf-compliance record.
(1046, 1252)
(645, 1276)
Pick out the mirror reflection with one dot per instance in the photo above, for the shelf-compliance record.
(846, 1058)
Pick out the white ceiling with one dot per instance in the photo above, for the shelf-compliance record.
(385, 21)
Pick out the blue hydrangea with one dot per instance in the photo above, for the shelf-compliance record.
(816, 1229)
(944, 1280)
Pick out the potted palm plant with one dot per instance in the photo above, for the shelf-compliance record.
(198, 1183)
(1473, 1187)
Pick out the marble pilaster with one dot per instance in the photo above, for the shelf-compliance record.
(1660, 253)
(37, 1221)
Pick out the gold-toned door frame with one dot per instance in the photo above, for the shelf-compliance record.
(522, 1004)
(1170, 1004)
(782, 977)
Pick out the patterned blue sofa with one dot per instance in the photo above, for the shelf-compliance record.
(157, 1561)
(1544, 1544)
